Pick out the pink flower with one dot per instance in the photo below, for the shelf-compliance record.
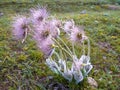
(47, 29)
(38, 15)
(77, 35)
(68, 26)
(20, 27)
(43, 38)
(54, 30)
(41, 33)
(56, 23)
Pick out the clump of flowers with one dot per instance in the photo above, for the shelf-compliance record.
(46, 31)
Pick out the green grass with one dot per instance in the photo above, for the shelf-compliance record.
(23, 66)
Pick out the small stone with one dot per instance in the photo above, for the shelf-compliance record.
(100, 79)
(104, 57)
(96, 21)
(50, 77)
(105, 14)
(83, 12)
(1, 14)
(91, 7)
(110, 72)
(92, 82)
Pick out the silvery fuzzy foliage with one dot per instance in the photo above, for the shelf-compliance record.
(53, 65)
(78, 70)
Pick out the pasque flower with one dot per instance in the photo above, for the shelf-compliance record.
(68, 26)
(54, 28)
(39, 15)
(46, 33)
(44, 41)
(20, 27)
(77, 35)
(56, 23)
(43, 35)
(46, 29)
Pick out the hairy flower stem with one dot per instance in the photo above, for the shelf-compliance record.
(62, 47)
(88, 47)
(61, 54)
(65, 45)
(57, 55)
(83, 48)
(73, 48)
(25, 35)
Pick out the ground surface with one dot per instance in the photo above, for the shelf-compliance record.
(22, 66)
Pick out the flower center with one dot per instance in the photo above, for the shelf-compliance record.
(70, 27)
(46, 34)
(79, 36)
(40, 18)
(24, 26)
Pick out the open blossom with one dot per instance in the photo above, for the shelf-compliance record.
(46, 29)
(44, 41)
(41, 33)
(39, 15)
(68, 26)
(77, 35)
(20, 27)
